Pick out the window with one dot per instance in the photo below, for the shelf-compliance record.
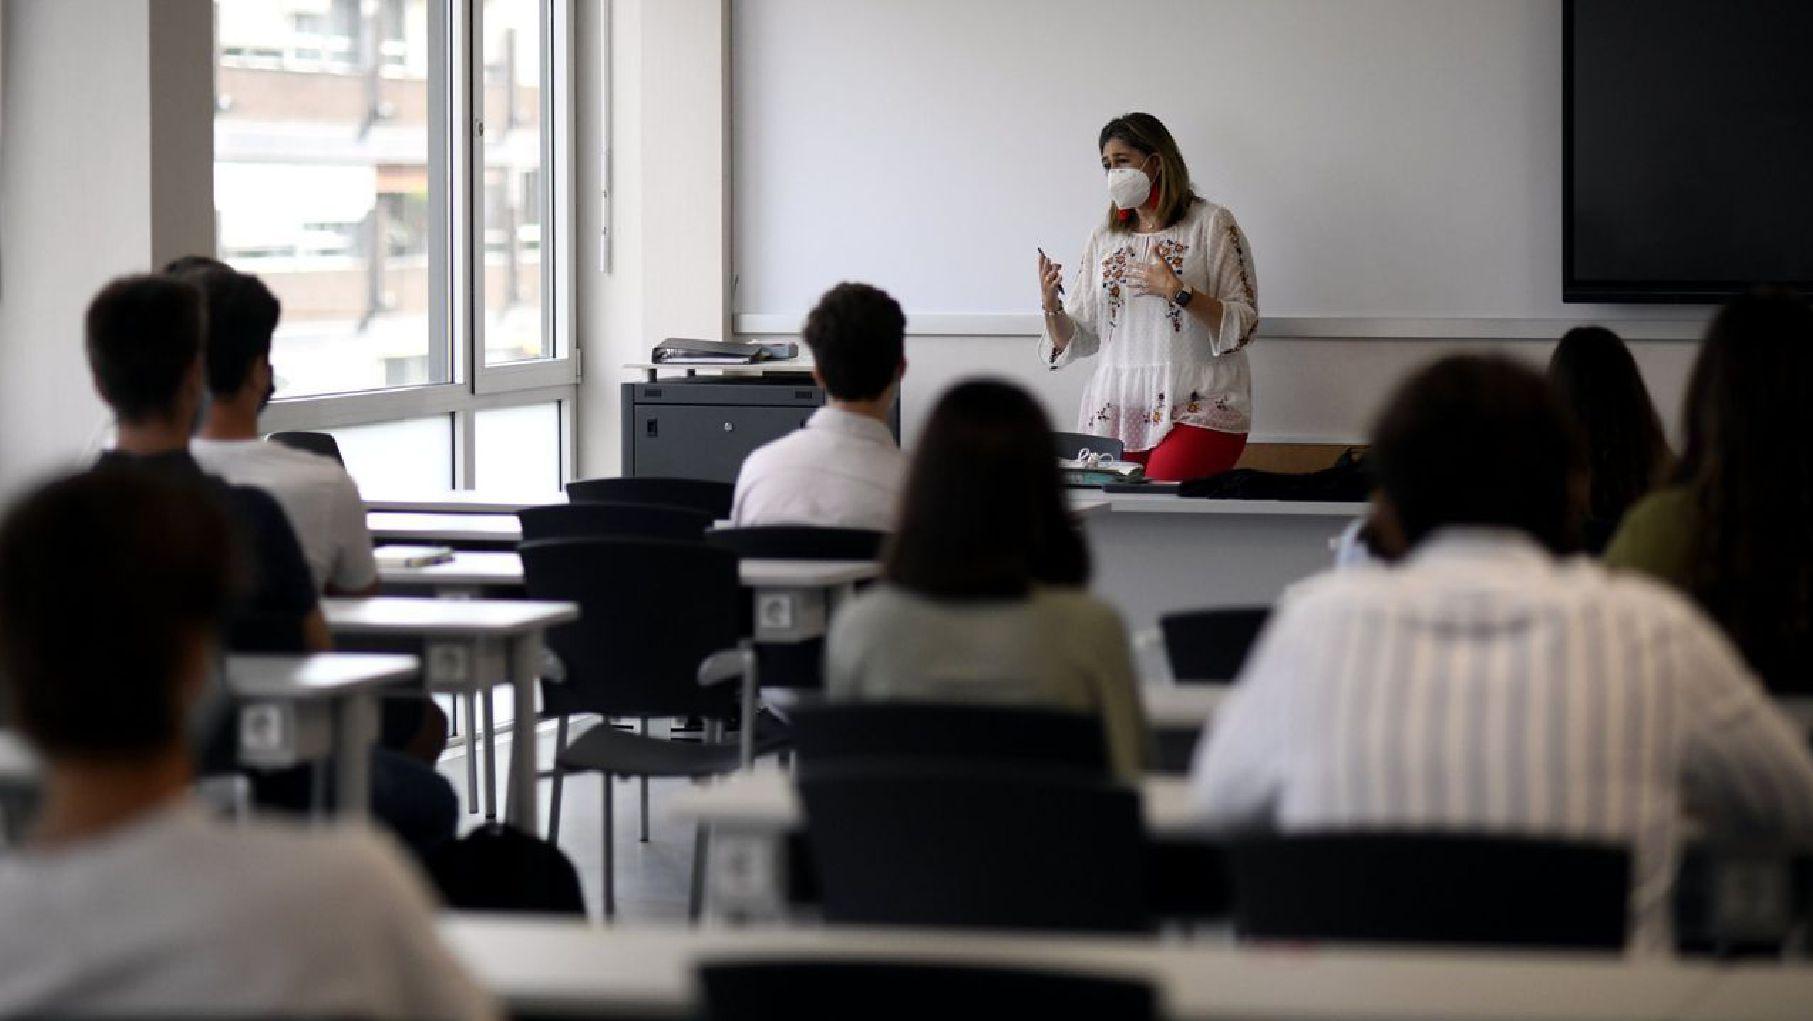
(414, 455)
(510, 455)
(391, 168)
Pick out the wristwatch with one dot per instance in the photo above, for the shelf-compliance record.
(1182, 298)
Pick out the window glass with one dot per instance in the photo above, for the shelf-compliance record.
(322, 185)
(518, 449)
(513, 182)
(414, 455)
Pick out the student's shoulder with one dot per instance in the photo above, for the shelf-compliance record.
(304, 466)
(1079, 610)
(350, 866)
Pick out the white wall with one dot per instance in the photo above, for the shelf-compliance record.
(84, 196)
(1396, 163)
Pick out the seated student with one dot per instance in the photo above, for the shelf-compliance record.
(320, 498)
(1736, 531)
(843, 469)
(1483, 683)
(144, 336)
(128, 897)
(1597, 381)
(982, 598)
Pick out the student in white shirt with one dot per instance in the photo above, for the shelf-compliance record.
(1486, 682)
(319, 497)
(128, 897)
(844, 468)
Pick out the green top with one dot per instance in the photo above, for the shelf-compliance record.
(1657, 538)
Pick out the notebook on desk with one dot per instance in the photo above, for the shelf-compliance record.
(412, 556)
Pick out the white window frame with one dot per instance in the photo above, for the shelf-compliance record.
(456, 317)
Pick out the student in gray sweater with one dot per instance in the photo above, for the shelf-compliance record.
(982, 595)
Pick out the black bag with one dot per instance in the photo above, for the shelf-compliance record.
(1346, 481)
(500, 868)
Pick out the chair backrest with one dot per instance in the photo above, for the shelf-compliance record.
(710, 498)
(1429, 887)
(800, 542)
(1211, 645)
(313, 442)
(1069, 444)
(606, 520)
(827, 734)
(650, 611)
(949, 845)
(823, 990)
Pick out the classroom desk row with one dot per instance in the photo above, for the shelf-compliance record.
(549, 968)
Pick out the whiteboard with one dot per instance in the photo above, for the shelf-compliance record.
(1387, 158)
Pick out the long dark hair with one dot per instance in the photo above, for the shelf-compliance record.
(1748, 467)
(984, 514)
(1597, 381)
(1148, 135)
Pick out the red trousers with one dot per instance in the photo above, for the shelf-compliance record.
(1189, 452)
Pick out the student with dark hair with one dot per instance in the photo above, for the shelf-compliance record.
(1484, 683)
(320, 498)
(982, 595)
(1597, 381)
(128, 896)
(1736, 530)
(843, 468)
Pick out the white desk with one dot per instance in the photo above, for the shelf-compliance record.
(556, 967)
(18, 763)
(299, 707)
(478, 568)
(441, 529)
(469, 645)
(1186, 705)
(461, 501)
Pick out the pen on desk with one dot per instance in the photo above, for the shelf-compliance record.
(1047, 258)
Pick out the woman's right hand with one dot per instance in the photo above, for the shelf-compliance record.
(1051, 286)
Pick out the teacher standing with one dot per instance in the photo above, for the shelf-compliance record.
(1167, 296)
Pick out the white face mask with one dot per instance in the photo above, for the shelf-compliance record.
(1129, 187)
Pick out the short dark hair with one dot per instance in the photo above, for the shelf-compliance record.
(242, 315)
(857, 334)
(143, 334)
(107, 578)
(984, 514)
(183, 264)
(1479, 440)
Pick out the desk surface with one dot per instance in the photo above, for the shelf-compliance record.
(1171, 503)
(325, 675)
(764, 799)
(461, 501)
(1183, 706)
(476, 569)
(444, 617)
(18, 763)
(406, 526)
(570, 967)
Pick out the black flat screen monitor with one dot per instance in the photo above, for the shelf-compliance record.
(1688, 148)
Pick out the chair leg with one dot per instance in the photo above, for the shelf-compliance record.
(644, 781)
(610, 873)
(560, 778)
(490, 743)
(695, 900)
(471, 740)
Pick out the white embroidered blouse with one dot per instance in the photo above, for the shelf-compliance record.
(1159, 363)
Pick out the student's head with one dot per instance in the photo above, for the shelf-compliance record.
(242, 316)
(984, 513)
(1597, 382)
(857, 335)
(144, 336)
(1748, 467)
(1141, 141)
(112, 586)
(1477, 440)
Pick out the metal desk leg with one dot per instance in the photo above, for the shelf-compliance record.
(356, 723)
(523, 663)
(751, 685)
(490, 756)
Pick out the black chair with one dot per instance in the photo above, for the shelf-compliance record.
(323, 444)
(638, 650)
(1211, 645)
(924, 732)
(1429, 887)
(604, 520)
(1068, 444)
(706, 497)
(948, 845)
(799, 542)
(822, 990)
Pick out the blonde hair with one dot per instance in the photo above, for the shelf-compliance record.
(1148, 135)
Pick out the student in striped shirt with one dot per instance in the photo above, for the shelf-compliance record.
(1488, 681)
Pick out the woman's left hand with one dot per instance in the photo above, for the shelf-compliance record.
(1154, 277)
